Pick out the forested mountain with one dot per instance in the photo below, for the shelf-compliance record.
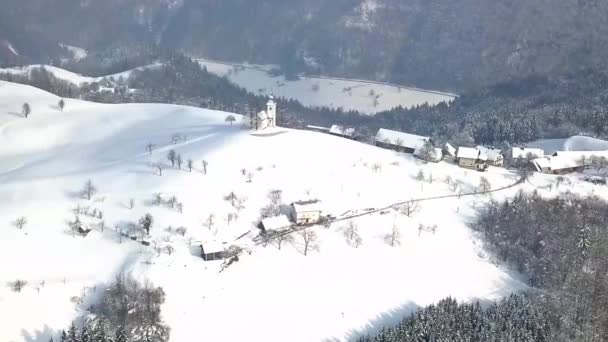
(440, 44)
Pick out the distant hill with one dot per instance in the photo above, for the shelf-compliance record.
(441, 44)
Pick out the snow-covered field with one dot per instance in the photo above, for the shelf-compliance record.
(333, 294)
(574, 143)
(364, 96)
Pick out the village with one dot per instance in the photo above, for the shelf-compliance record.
(309, 212)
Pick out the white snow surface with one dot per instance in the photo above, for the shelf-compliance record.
(334, 294)
(574, 143)
(69, 76)
(329, 92)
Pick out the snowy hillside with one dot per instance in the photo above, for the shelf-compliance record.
(364, 96)
(574, 143)
(334, 293)
(69, 76)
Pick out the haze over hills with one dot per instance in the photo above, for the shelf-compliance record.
(443, 45)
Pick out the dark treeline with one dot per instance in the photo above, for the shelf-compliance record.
(513, 319)
(506, 114)
(561, 245)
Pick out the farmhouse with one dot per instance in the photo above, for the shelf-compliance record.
(307, 212)
(276, 222)
(471, 158)
(494, 156)
(342, 131)
(399, 141)
(267, 118)
(213, 251)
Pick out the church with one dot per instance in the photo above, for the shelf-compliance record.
(267, 118)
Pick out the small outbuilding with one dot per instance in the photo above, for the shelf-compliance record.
(449, 150)
(430, 154)
(399, 141)
(307, 212)
(213, 251)
(275, 223)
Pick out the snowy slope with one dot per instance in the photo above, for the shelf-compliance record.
(69, 76)
(317, 92)
(574, 143)
(334, 293)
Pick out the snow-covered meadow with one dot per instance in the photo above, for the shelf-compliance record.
(364, 96)
(334, 293)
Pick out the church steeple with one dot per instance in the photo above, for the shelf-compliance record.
(271, 110)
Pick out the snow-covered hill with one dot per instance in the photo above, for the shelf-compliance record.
(574, 143)
(334, 293)
(364, 96)
(69, 76)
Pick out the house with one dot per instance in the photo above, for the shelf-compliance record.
(307, 212)
(433, 154)
(562, 162)
(275, 223)
(494, 156)
(341, 131)
(449, 150)
(213, 251)
(557, 165)
(471, 158)
(399, 141)
(267, 118)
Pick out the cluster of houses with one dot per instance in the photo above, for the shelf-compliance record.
(478, 158)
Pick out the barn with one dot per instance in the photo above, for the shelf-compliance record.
(342, 131)
(494, 156)
(399, 141)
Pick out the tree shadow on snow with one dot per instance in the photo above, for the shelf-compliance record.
(386, 319)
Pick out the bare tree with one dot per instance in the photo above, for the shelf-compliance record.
(159, 167)
(377, 167)
(150, 148)
(181, 231)
(484, 185)
(131, 203)
(26, 110)
(172, 201)
(20, 222)
(205, 163)
(175, 138)
(281, 238)
(61, 104)
(410, 207)
(231, 119)
(146, 223)
(351, 233)
(230, 217)
(210, 221)
(89, 190)
(172, 156)
(249, 177)
(158, 198)
(420, 175)
(310, 240)
(180, 207)
(243, 172)
(17, 285)
(231, 197)
(189, 163)
(275, 196)
(179, 161)
(170, 250)
(448, 180)
(394, 237)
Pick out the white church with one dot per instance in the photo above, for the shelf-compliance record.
(267, 118)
